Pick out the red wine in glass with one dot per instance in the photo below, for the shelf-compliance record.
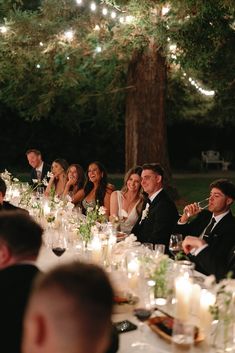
(58, 251)
(142, 314)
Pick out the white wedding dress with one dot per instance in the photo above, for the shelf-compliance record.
(130, 219)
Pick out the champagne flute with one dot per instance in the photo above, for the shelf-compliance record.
(201, 205)
(175, 244)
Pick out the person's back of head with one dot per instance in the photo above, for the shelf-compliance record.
(20, 236)
(74, 314)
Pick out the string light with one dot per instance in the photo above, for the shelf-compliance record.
(3, 29)
(104, 11)
(69, 35)
(98, 49)
(79, 2)
(205, 92)
(41, 44)
(113, 14)
(38, 66)
(93, 6)
(165, 10)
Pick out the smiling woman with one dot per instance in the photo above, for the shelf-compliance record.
(127, 203)
(97, 189)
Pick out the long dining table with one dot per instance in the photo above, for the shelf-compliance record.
(47, 260)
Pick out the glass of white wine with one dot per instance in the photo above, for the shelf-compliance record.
(201, 205)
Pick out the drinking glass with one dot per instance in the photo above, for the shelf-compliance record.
(201, 204)
(175, 244)
(159, 249)
(59, 245)
(143, 313)
(182, 337)
(148, 246)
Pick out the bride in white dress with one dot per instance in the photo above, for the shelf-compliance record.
(126, 204)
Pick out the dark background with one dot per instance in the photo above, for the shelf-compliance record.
(93, 142)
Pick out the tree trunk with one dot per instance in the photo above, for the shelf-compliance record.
(146, 136)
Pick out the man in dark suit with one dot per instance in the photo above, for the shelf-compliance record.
(39, 168)
(212, 232)
(70, 311)
(20, 242)
(159, 213)
(5, 205)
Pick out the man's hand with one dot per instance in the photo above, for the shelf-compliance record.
(190, 243)
(189, 210)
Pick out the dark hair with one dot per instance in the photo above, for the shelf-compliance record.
(134, 170)
(155, 167)
(3, 187)
(21, 233)
(102, 188)
(224, 185)
(80, 173)
(62, 162)
(33, 150)
(88, 289)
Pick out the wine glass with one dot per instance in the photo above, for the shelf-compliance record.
(59, 245)
(143, 312)
(175, 244)
(201, 205)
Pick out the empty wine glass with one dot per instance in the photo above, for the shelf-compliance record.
(175, 244)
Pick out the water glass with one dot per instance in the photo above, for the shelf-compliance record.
(159, 249)
(182, 337)
(148, 246)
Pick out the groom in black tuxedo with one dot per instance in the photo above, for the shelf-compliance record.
(20, 242)
(159, 213)
(212, 232)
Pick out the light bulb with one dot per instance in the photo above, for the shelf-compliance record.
(93, 6)
(69, 34)
(79, 2)
(113, 14)
(104, 11)
(3, 29)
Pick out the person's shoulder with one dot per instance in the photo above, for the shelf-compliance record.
(110, 188)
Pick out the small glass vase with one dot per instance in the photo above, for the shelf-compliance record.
(223, 338)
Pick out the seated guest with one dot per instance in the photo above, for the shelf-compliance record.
(75, 183)
(159, 213)
(127, 203)
(39, 168)
(57, 181)
(69, 311)
(97, 189)
(5, 205)
(212, 232)
(20, 242)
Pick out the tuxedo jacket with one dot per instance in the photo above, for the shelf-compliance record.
(7, 206)
(214, 258)
(157, 226)
(15, 285)
(45, 169)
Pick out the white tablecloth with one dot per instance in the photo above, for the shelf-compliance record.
(47, 260)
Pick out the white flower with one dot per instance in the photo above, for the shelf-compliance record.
(45, 182)
(144, 213)
(102, 211)
(35, 181)
(50, 174)
(15, 180)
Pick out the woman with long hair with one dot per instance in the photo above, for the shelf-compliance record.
(74, 183)
(57, 180)
(97, 190)
(126, 204)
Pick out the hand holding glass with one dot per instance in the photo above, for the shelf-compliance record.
(200, 204)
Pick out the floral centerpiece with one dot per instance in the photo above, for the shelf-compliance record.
(94, 217)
